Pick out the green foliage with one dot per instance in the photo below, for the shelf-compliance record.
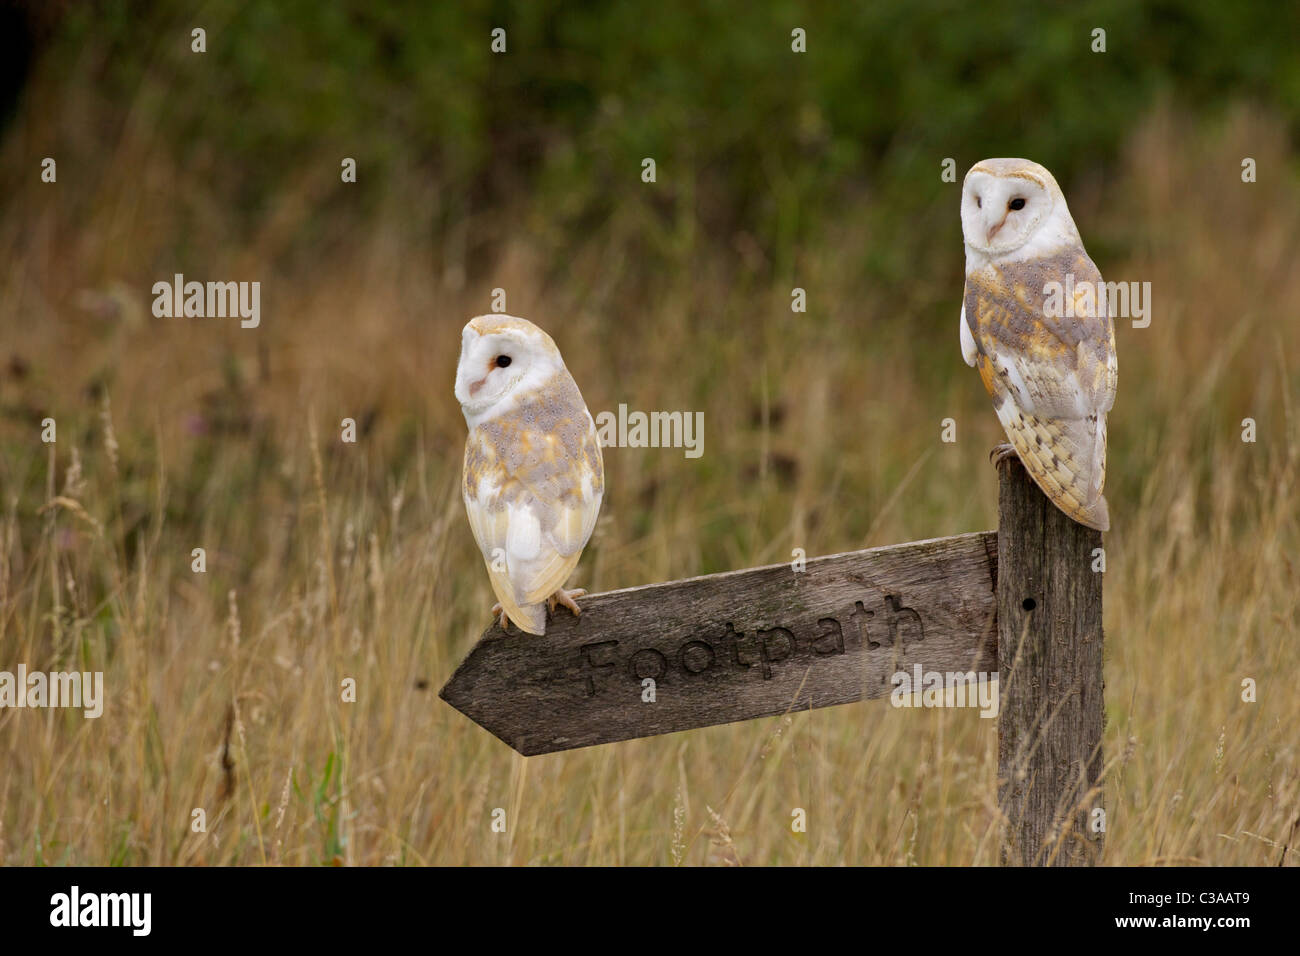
(324, 796)
(747, 135)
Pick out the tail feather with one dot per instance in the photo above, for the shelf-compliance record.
(529, 617)
(1066, 458)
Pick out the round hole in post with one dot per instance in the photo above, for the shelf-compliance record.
(1029, 604)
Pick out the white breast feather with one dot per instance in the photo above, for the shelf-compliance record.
(538, 555)
(968, 349)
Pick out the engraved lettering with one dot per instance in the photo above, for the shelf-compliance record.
(764, 648)
(767, 647)
(899, 617)
(734, 638)
(587, 650)
(657, 660)
(859, 619)
(830, 640)
(707, 656)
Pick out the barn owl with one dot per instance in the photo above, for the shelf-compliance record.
(1035, 321)
(533, 475)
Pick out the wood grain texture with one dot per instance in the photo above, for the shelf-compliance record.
(1050, 678)
(734, 646)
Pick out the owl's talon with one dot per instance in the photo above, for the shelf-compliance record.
(567, 599)
(499, 611)
(1000, 453)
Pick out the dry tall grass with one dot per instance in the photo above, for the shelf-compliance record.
(329, 561)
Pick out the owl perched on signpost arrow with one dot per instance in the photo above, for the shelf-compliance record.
(1036, 324)
(534, 476)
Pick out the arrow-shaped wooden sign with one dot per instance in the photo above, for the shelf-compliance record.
(734, 646)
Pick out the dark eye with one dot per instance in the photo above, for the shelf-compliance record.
(503, 361)
(1016, 203)
(979, 203)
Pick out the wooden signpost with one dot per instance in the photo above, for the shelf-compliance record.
(734, 646)
(1050, 679)
(1022, 602)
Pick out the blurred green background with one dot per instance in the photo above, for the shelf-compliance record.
(749, 137)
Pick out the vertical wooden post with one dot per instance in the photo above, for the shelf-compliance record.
(1051, 702)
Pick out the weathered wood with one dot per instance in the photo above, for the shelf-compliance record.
(1050, 678)
(734, 646)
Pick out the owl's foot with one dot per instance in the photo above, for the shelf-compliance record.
(499, 611)
(567, 599)
(1001, 453)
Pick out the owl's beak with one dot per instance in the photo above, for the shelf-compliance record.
(993, 230)
(475, 386)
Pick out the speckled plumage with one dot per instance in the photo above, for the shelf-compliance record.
(1052, 377)
(533, 473)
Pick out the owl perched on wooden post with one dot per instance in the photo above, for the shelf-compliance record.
(533, 476)
(1035, 321)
